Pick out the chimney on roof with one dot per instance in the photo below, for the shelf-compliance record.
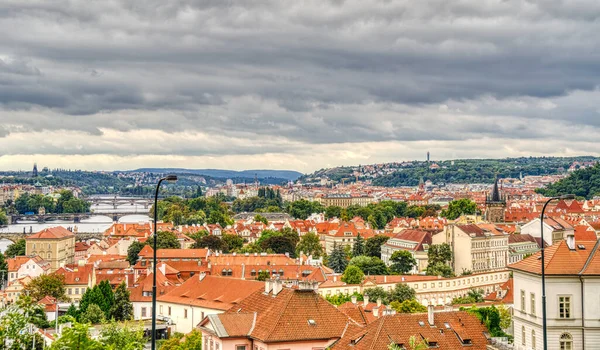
(268, 286)
(571, 242)
(163, 268)
(366, 300)
(243, 270)
(376, 311)
(378, 302)
(277, 286)
(430, 318)
(353, 298)
(202, 275)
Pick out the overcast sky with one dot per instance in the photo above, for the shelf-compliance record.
(117, 84)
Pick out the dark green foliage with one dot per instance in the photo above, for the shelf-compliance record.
(73, 311)
(582, 183)
(310, 245)
(263, 275)
(100, 295)
(370, 265)
(402, 262)
(302, 209)
(459, 207)
(15, 249)
(279, 245)
(491, 317)
(93, 314)
(165, 240)
(439, 269)
(353, 275)
(359, 246)
(122, 310)
(46, 285)
(438, 257)
(337, 259)
(377, 293)
(133, 252)
(373, 245)
(211, 242)
(401, 293)
(232, 242)
(410, 306)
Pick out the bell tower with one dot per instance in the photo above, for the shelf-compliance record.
(495, 205)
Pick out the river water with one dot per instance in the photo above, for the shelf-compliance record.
(96, 223)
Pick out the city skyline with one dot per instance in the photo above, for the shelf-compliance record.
(244, 85)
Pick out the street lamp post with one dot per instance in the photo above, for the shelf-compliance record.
(169, 178)
(544, 324)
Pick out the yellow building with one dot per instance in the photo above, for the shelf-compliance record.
(55, 245)
(345, 200)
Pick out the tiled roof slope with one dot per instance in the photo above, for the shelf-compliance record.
(450, 330)
(560, 260)
(285, 317)
(52, 233)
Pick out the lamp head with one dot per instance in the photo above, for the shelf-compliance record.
(172, 178)
(567, 196)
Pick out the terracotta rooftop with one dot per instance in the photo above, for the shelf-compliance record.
(58, 232)
(451, 330)
(211, 292)
(560, 260)
(291, 315)
(147, 252)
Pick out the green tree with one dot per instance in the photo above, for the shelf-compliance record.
(122, 309)
(167, 240)
(260, 218)
(3, 270)
(310, 245)
(353, 275)
(211, 242)
(77, 337)
(339, 299)
(333, 212)
(459, 207)
(377, 293)
(15, 326)
(123, 337)
(402, 292)
(302, 209)
(409, 306)
(73, 311)
(263, 275)
(192, 341)
(414, 343)
(490, 316)
(373, 245)
(473, 296)
(133, 252)
(337, 259)
(3, 218)
(402, 262)
(279, 245)
(108, 298)
(505, 316)
(439, 269)
(15, 249)
(46, 285)
(359, 246)
(93, 314)
(370, 265)
(232, 242)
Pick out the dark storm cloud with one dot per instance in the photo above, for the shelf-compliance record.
(311, 72)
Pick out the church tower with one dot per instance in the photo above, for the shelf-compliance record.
(35, 171)
(495, 205)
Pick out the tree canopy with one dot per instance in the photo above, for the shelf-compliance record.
(459, 207)
(310, 245)
(353, 275)
(370, 265)
(402, 262)
(47, 285)
(337, 259)
(584, 183)
(16, 249)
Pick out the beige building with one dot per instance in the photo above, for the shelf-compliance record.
(56, 245)
(475, 247)
(345, 200)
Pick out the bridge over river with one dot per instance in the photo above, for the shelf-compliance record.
(76, 217)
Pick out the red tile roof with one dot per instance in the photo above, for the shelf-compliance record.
(58, 232)
(451, 330)
(560, 260)
(211, 292)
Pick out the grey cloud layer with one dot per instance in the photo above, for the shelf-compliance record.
(310, 72)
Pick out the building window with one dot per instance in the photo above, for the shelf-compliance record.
(161, 309)
(184, 313)
(143, 312)
(533, 339)
(76, 291)
(49, 256)
(522, 300)
(240, 347)
(566, 342)
(532, 306)
(523, 336)
(169, 311)
(70, 291)
(564, 307)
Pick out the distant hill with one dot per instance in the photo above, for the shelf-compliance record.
(410, 173)
(289, 175)
(584, 182)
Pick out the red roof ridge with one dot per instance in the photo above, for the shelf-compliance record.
(590, 257)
